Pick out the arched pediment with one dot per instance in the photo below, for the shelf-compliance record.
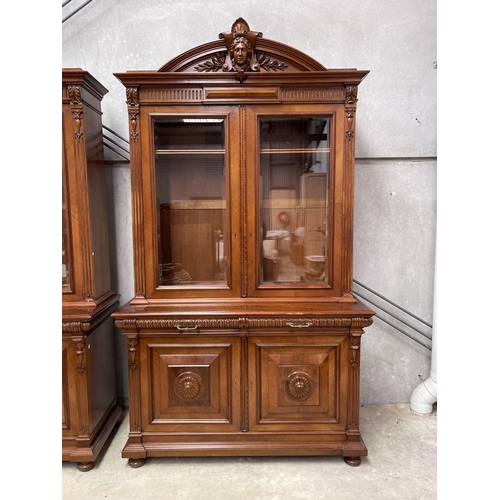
(242, 51)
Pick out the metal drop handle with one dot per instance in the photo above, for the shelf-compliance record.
(299, 325)
(186, 328)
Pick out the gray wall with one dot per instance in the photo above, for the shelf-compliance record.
(395, 187)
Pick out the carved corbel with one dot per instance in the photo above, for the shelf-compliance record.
(130, 327)
(351, 98)
(74, 94)
(355, 339)
(75, 99)
(133, 110)
(79, 345)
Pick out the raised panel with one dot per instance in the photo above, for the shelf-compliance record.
(299, 383)
(192, 381)
(186, 379)
(65, 390)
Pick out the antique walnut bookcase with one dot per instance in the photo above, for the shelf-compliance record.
(89, 407)
(243, 334)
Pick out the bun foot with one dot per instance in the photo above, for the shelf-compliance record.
(85, 466)
(136, 462)
(353, 461)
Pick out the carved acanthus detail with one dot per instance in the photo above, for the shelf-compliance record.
(351, 95)
(74, 94)
(132, 94)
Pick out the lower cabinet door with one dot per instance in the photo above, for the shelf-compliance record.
(298, 383)
(190, 384)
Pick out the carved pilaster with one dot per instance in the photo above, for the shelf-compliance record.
(353, 401)
(243, 198)
(132, 335)
(79, 343)
(132, 94)
(351, 99)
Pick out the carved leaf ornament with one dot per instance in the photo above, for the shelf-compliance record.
(241, 56)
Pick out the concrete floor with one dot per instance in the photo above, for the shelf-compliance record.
(402, 464)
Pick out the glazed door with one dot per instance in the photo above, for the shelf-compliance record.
(194, 194)
(294, 181)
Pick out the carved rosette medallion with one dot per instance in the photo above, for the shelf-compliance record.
(241, 56)
(188, 386)
(298, 386)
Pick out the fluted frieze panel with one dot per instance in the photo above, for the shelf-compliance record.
(171, 95)
(311, 94)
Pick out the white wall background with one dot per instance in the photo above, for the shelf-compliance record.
(395, 187)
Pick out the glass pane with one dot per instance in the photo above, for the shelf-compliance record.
(65, 250)
(191, 197)
(294, 180)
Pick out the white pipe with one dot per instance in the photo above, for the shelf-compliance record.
(425, 394)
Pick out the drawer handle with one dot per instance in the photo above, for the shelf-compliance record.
(299, 325)
(186, 328)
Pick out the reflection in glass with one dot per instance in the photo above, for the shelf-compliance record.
(65, 250)
(294, 180)
(191, 197)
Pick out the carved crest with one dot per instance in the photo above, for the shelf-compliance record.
(241, 56)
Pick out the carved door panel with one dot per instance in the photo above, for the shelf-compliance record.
(194, 384)
(298, 383)
(69, 403)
